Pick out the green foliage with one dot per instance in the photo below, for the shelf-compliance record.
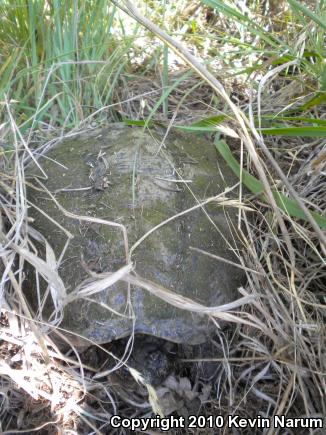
(286, 204)
(280, 127)
(299, 7)
(85, 46)
(251, 26)
(300, 25)
(67, 46)
(295, 131)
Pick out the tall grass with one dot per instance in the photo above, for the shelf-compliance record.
(78, 42)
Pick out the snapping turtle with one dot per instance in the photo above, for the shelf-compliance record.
(122, 174)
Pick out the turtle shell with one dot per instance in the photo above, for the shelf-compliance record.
(128, 176)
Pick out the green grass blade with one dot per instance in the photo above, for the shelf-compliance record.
(323, 79)
(209, 122)
(209, 125)
(296, 119)
(244, 20)
(205, 125)
(139, 123)
(308, 131)
(289, 206)
(193, 129)
(299, 7)
(8, 69)
(318, 100)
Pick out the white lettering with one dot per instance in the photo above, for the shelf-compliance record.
(115, 421)
(307, 422)
(144, 423)
(234, 421)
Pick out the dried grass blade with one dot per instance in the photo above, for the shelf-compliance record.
(49, 274)
(185, 303)
(103, 282)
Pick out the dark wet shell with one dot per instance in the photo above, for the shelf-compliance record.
(132, 185)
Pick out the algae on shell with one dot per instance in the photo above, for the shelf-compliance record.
(117, 174)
